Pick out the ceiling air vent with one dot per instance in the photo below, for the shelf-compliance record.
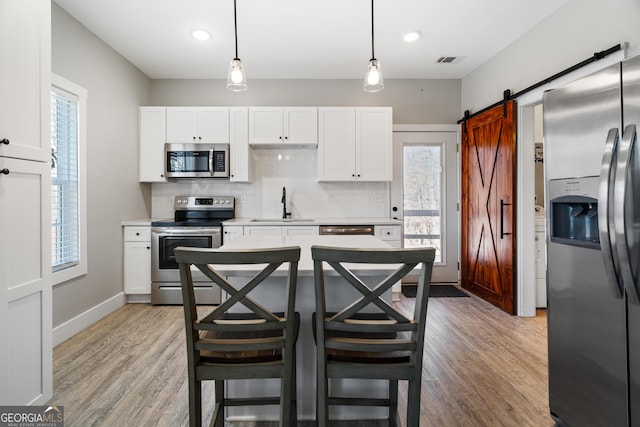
(446, 59)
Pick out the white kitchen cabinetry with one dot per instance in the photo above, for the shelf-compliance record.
(392, 234)
(152, 122)
(137, 260)
(283, 125)
(231, 232)
(541, 263)
(234, 231)
(198, 124)
(25, 88)
(355, 144)
(241, 159)
(26, 349)
(300, 230)
(262, 230)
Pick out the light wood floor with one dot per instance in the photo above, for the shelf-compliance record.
(482, 368)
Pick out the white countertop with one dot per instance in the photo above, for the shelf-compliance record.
(305, 265)
(139, 222)
(314, 221)
(278, 221)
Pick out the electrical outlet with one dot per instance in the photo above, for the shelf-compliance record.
(243, 199)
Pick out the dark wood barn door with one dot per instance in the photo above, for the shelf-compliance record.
(488, 246)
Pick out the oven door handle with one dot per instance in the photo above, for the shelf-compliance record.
(186, 231)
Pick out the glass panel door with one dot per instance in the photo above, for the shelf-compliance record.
(424, 194)
(422, 201)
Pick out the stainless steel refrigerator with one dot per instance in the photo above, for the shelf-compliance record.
(592, 174)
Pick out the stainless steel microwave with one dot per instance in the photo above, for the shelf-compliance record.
(196, 160)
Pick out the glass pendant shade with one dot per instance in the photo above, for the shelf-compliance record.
(236, 78)
(373, 81)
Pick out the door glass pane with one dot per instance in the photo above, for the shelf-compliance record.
(167, 244)
(422, 198)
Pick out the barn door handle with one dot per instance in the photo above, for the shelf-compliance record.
(502, 205)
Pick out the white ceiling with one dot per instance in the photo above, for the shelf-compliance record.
(308, 39)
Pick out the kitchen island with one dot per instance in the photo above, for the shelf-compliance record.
(305, 305)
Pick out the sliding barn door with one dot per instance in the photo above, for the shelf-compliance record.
(488, 246)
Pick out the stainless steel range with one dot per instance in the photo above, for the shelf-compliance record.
(196, 223)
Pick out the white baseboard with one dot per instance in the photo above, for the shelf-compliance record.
(82, 321)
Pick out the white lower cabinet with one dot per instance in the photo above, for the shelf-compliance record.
(234, 231)
(231, 232)
(541, 264)
(300, 230)
(25, 282)
(392, 234)
(137, 260)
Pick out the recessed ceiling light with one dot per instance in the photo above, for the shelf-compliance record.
(412, 36)
(200, 35)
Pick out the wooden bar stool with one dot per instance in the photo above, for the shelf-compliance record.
(356, 342)
(254, 343)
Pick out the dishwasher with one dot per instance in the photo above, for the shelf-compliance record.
(346, 230)
(357, 230)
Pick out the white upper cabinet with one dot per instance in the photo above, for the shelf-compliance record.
(374, 143)
(240, 156)
(283, 125)
(198, 124)
(25, 88)
(336, 145)
(151, 144)
(355, 144)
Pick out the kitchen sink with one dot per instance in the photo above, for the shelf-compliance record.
(281, 220)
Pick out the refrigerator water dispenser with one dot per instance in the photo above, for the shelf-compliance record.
(573, 214)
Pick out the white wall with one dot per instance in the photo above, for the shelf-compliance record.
(572, 34)
(115, 90)
(413, 101)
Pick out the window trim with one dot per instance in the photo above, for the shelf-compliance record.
(81, 267)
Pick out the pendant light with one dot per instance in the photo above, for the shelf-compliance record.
(373, 79)
(236, 78)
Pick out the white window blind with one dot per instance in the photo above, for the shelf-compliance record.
(65, 226)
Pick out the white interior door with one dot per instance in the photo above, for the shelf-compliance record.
(424, 195)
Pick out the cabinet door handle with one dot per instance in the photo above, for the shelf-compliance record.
(4, 171)
(148, 247)
(5, 141)
(502, 232)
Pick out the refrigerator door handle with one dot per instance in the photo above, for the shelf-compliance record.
(605, 223)
(627, 144)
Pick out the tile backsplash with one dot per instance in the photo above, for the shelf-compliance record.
(295, 169)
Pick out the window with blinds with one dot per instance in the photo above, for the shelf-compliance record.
(65, 226)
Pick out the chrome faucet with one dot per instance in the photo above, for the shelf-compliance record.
(285, 214)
